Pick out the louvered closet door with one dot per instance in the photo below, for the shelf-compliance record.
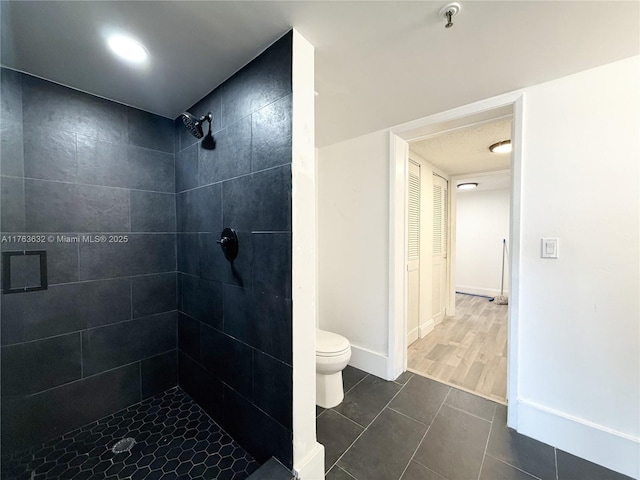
(440, 231)
(413, 253)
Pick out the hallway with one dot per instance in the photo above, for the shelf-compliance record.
(468, 351)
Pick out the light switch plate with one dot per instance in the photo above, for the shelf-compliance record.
(550, 247)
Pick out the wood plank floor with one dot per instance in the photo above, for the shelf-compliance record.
(468, 351)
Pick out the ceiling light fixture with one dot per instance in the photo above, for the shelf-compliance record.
(448, 12)
(501, 147)
(127, 48)
(467, 186)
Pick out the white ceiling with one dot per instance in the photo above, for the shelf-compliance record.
(378, 63)
(466, 150)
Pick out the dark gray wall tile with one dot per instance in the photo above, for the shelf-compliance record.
(200, 210)
(227, 359)
(273, 388)
(45, 103)
(187, 168)
(159, 373)
(271, 129)
(202, 300)
(50, 154)
(264, 80)
(420, 399)
(125, 166)
(262, 321)
(272, 199)
(450, 433)
(31, 367)
(107, 347)
(63, 207)
(41, 314)
(188, 253)
(258, 433)
(214, 265)
(203, 387)
(142, 254)
(238, 200)
(385, 448)
(29, 420)
(11, 146)
(231, 157)
(272, 263)
(150, 131)
(12, 204)
(189, 336)
(10, 95)
(153, 212)
(153, 294)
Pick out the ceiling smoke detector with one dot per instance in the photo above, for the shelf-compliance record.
(448, 12)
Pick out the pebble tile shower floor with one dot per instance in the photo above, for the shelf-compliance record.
(175, 439)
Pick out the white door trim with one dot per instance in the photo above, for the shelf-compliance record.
(398, 149)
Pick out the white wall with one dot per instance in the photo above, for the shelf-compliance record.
(579, 360)
(482, 221)
(353, 244)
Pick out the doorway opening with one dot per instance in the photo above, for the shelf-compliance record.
(434, 273)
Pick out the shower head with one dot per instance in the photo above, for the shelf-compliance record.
(194, 125)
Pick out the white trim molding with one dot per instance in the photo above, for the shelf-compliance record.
(607, 447)
(371, 362)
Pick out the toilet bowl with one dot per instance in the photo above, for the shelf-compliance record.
(333, 353)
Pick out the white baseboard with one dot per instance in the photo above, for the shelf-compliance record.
(607, 447)
(413, 335)
(437, 319)
(426, 328)
(369, 361)
(489, 292)
(312, 467)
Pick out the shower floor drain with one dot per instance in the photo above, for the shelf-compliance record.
(124, 445)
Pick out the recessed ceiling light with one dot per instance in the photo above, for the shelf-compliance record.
(127, 48)
(467, 186)
(501, 147)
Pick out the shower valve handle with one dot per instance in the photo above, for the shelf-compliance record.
(229, 243)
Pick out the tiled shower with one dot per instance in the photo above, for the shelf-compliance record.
(124, 209)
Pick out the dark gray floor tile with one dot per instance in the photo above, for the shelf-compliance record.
(351, 376)
(493, 469)
(454, 445)
(336, 473)
(319, 410)
(415, 471)
(472, 404)
(420, 399)
(383, 451)
(571, 467)
(522, 452)
(404, 378)
(336, 433)
(365, 401)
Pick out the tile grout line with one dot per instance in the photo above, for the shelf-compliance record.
(512, 466)
(555, 457)
(367, 427)
(486, 446)
(425, 435)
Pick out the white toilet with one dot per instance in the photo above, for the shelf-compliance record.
(333, 353)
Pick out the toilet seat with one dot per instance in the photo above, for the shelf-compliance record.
(329, 344)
